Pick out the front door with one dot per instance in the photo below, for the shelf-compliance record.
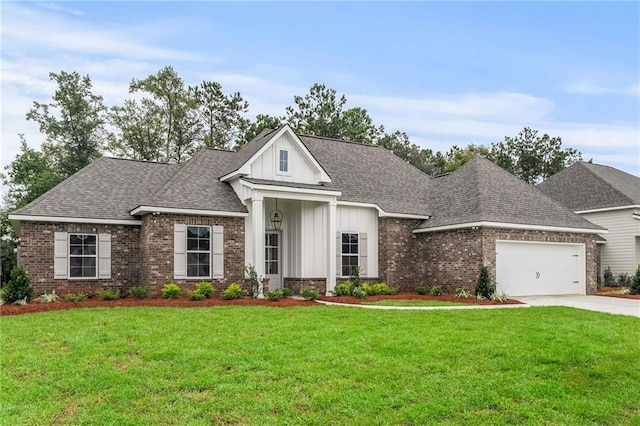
(272, 267)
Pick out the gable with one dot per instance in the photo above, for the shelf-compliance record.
(281, 157)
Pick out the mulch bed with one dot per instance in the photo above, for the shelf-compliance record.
(623, 296)
(411, 296)
(177, 303)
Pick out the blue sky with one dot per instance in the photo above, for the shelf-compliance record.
(445, 73)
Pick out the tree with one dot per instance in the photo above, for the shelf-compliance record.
(357, 126)
(139, 132)
(456, 157)
(73, 123)
(219, 113)
(533, 158)
(252, 128)
(318, 113)
(174, 109)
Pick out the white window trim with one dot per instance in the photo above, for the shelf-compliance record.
(69, 256)
(278, 171)
(187, 251)
(357, 256)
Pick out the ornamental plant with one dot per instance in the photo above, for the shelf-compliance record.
(484, 287)
(205, 288)
(171, 291)
(18, 287)
(139, 292)
(234, 291)
(634, 288)
(309, 293)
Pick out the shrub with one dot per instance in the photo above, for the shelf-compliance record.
(79, 297)
(139, 292)
(274, 295)
(608, 278)
(18, 287)
(422, 290)
(21, 302)
(499, 297)
(234, 291)
(286, 292)
(437, 290)
(484, 286)
(255, 281)
(359, 292)
(309, 293)
(624, 280)
(342, 289)
(634, 288)
(196, 294)
(381, 288)
(109, 294)
(2, 296)
(463, 293)
(354, 278)
(48, 298)
(206, 288)
(171, 291)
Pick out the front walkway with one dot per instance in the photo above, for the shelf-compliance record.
(610, 305)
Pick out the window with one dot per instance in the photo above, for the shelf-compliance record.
(283, 163)
(198, 251)
(83, 256)
(349, 253)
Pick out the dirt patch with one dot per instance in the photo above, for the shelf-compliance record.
(602, 291)
(176, 303)
(413, 296)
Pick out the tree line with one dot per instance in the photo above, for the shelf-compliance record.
(167, 120)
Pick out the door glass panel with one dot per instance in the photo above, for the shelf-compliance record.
(271, 254)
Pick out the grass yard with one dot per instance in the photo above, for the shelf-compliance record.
(414, 302)
(319, 365)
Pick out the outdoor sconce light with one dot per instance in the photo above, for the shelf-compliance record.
(276, 218)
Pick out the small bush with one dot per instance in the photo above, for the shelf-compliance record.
(359, 292)
(499, 297)
(634, 288)
(171, 291)
(109, 294)
(48, 298)
(206, 288)
(196, 295)
(608, 278)
(436, 290)
(354, 278)
(18, 287)
(234, 291)
(286, 292)
(20, 302)
(624, 280)
(422, 290)
(463, 293)
(79, 297)
(383, 288)
(2, 296)
(255, 280)
(342, 289)
(309, 293)
(484, 287)
(274, 295)
(139, 292)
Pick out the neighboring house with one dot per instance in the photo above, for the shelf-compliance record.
(607, 197)
(303, 210)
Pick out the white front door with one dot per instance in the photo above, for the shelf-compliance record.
(272, 255)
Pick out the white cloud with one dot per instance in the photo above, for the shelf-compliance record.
(585, 86)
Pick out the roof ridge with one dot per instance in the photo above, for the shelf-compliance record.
(606, 182)
(108, 157)
(175, 176)
(339, 140)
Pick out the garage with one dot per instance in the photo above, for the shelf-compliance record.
(534, 269)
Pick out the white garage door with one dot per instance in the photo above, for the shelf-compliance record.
(533, 269)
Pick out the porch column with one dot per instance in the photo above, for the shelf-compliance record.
(331, 245)
(257, 221)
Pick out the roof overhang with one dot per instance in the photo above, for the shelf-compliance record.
(144, 210)
(290, 189)
(15, 220)
(486, 224)
(245, 169)
(607, 209)
(382, 213)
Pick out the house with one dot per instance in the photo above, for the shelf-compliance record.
(303, 210)
(609, 198)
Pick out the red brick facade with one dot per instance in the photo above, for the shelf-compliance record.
(37, 256)
(399, 260)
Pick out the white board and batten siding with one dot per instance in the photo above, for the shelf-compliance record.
(622, 249)
(364, 221)
(300, 169)
(534, 269)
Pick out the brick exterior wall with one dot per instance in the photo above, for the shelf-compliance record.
(156, 247)
(399, 260)
(37, 256)
(297, 284)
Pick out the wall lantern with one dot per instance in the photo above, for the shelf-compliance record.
(276, 218)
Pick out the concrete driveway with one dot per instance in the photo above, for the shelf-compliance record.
(610, 305)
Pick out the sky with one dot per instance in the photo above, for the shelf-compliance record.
(446, 73)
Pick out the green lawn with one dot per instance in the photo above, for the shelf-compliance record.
(319, 365)
(414, 302)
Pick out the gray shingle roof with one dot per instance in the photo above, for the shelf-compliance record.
(196, 185)
(318, 187)
(371, 174)
(108, 188)
(585, 186)
(481, 191)
(249, 150)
